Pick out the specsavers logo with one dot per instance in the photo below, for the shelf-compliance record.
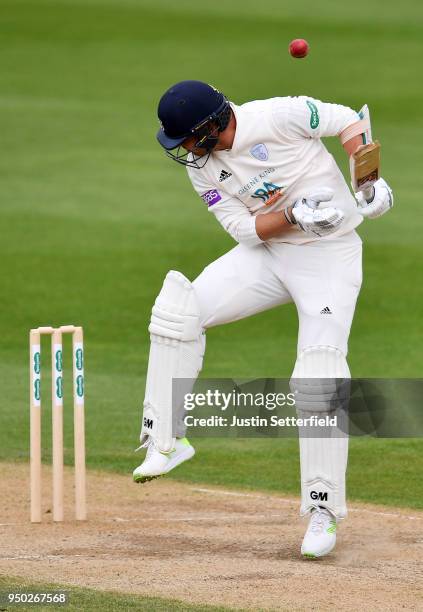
(79, 385)
(79, 359)
(314, 117)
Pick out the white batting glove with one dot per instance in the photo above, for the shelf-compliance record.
(381, 201)
(312, 219)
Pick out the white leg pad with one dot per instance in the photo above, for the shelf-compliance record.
(176, 351)
(323, 459)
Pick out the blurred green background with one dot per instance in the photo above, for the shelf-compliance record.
(93, 215)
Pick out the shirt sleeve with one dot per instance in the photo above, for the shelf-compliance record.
(304, 117)
(231, 213)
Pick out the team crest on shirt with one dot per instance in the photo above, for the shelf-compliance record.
(260, 152)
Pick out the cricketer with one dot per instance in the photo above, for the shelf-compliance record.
(262, 169)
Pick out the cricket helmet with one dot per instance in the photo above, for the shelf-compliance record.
(192, 108)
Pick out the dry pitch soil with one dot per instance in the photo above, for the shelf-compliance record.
(210, 545)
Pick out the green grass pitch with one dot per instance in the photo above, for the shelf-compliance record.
(93, 215)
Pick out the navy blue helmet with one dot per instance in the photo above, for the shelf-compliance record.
(192, 108)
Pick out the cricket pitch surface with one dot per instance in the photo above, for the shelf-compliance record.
(205, 544)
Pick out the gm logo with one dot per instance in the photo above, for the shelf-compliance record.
(319, 495)
(148, 423)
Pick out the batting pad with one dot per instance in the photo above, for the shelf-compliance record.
(320, 382)
(176, 351)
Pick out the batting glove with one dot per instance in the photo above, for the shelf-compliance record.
(314, 220)
(380, 202)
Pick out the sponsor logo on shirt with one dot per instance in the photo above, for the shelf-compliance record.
(211, 197)
(224, 175)
(274, 196)
(260, 152)
(255, 180)
(269, 193)
(314, 117)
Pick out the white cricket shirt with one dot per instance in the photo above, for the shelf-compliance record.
(276, 158)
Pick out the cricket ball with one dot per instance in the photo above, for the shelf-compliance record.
(298, 47)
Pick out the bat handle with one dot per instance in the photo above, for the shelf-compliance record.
(369, 194)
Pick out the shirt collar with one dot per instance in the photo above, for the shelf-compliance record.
(236, 145)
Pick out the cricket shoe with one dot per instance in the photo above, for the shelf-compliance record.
(320, 537)
(157, 464)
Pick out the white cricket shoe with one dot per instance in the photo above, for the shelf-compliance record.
(320, 537)
(157, 464)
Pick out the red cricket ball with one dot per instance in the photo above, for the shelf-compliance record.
(298, 47)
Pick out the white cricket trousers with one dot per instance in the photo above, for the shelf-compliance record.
(322, 278)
